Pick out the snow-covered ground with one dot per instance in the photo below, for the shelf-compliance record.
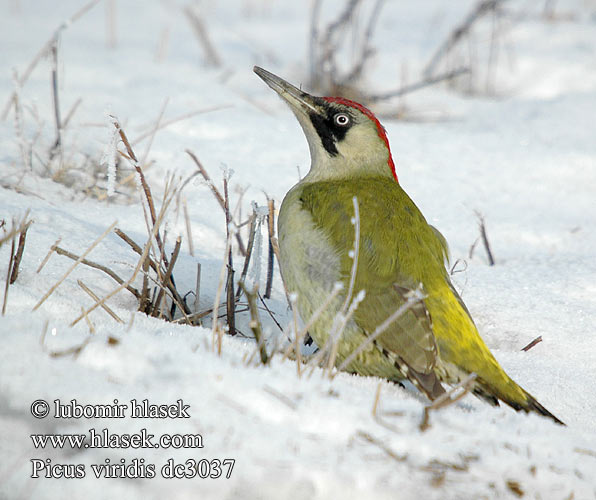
(525, 158)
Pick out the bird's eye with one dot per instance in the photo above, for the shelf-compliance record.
(341, 119)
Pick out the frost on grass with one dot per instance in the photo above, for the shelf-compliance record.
(108, 158)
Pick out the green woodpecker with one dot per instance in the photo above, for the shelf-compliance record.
(436, 339)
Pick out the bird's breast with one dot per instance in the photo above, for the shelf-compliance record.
(310, 266)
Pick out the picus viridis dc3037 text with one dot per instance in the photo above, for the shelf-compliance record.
(435, 340)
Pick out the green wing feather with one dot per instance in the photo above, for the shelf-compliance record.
(398, 250)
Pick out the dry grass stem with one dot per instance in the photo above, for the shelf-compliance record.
(484, 237)
(100, 267)
(71, 113)
(191, 249)
(8, 273)
(48, 255)
(200, 31)
(377, 399)
(251, 241)
(270, 255)
(77, 262)
(144, 299)
(57, 147)
(218, 196)
(230, 299)
(282, 397)
(167, 277)
(15, 229)
(198, 287)
(150, 263)
(380, 444)
(88, 321)
(446, 399)
(74, 351)
(105, 307)
(255, 322)
(270, 312)
(146, 189)
(168, 197)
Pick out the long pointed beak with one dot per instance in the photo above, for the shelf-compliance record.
(296, 98)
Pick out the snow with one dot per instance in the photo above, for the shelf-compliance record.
(525, 158)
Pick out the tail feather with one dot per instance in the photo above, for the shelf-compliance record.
(535, 406)
(529, 405)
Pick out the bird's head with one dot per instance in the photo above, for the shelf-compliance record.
(345, 138)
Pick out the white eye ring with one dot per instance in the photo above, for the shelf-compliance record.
(341, 119)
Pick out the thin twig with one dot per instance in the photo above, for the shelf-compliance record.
(270, 312)
(484, 237)
(57, 147)
(95, 265)
(230, 299)
(537, 340)
(19, 255)
(458, 32)
(427, 82)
